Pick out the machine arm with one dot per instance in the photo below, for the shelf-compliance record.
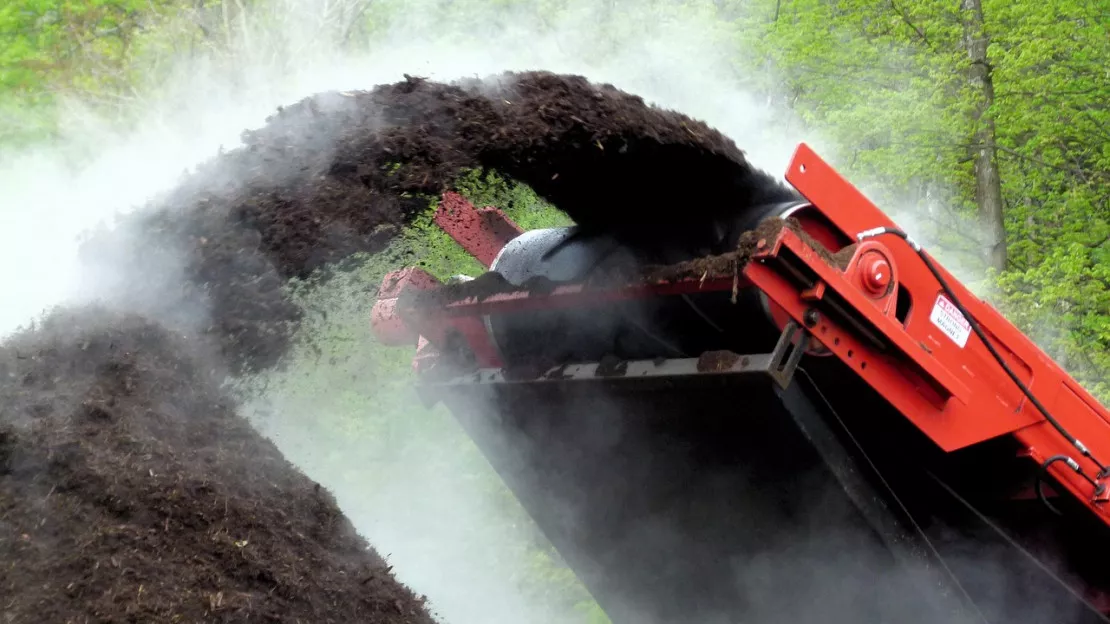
(862, 291)
(958, 369)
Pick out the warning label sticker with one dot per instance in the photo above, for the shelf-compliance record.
(949, 320)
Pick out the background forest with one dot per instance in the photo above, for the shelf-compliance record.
(982, 125)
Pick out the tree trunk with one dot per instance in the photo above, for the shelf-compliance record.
(988, 192)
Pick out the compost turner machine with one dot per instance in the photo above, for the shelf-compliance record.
(816, 422)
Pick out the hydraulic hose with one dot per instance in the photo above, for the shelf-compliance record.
(1082, 448)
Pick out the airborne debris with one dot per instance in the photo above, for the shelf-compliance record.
(129, 487)
(310, 189)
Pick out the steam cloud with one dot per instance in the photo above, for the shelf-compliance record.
(435, 531)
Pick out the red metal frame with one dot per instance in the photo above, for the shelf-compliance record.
(389, 326)
(482, 232)
(952, 389)
(993, 404)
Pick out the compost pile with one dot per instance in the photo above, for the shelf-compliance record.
(130, 490)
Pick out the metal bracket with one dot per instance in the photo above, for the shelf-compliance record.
(712, 366)
(787, 355)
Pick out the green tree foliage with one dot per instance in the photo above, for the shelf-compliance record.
(77, 48)
(109, 56)
(889, 82)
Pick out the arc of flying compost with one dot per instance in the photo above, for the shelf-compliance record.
(129, 487)
(340, 173)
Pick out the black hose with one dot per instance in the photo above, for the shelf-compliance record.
(1043, 472)
(1103, 470)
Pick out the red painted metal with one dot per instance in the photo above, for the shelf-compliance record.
(927, 364)
(473, 330)
(981, 401)
(390, 326)
(464, 317)
(872, 273)
(942, 387)
(875, 272)
(482, 232)
(819, 229)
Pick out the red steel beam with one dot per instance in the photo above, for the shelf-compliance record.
(936, 372)
(939, 338)
(482, 232)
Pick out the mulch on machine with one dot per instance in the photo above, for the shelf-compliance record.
(716, 266)
(131, 491)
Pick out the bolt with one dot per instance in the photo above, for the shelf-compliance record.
(811, 317)
(876, 273)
